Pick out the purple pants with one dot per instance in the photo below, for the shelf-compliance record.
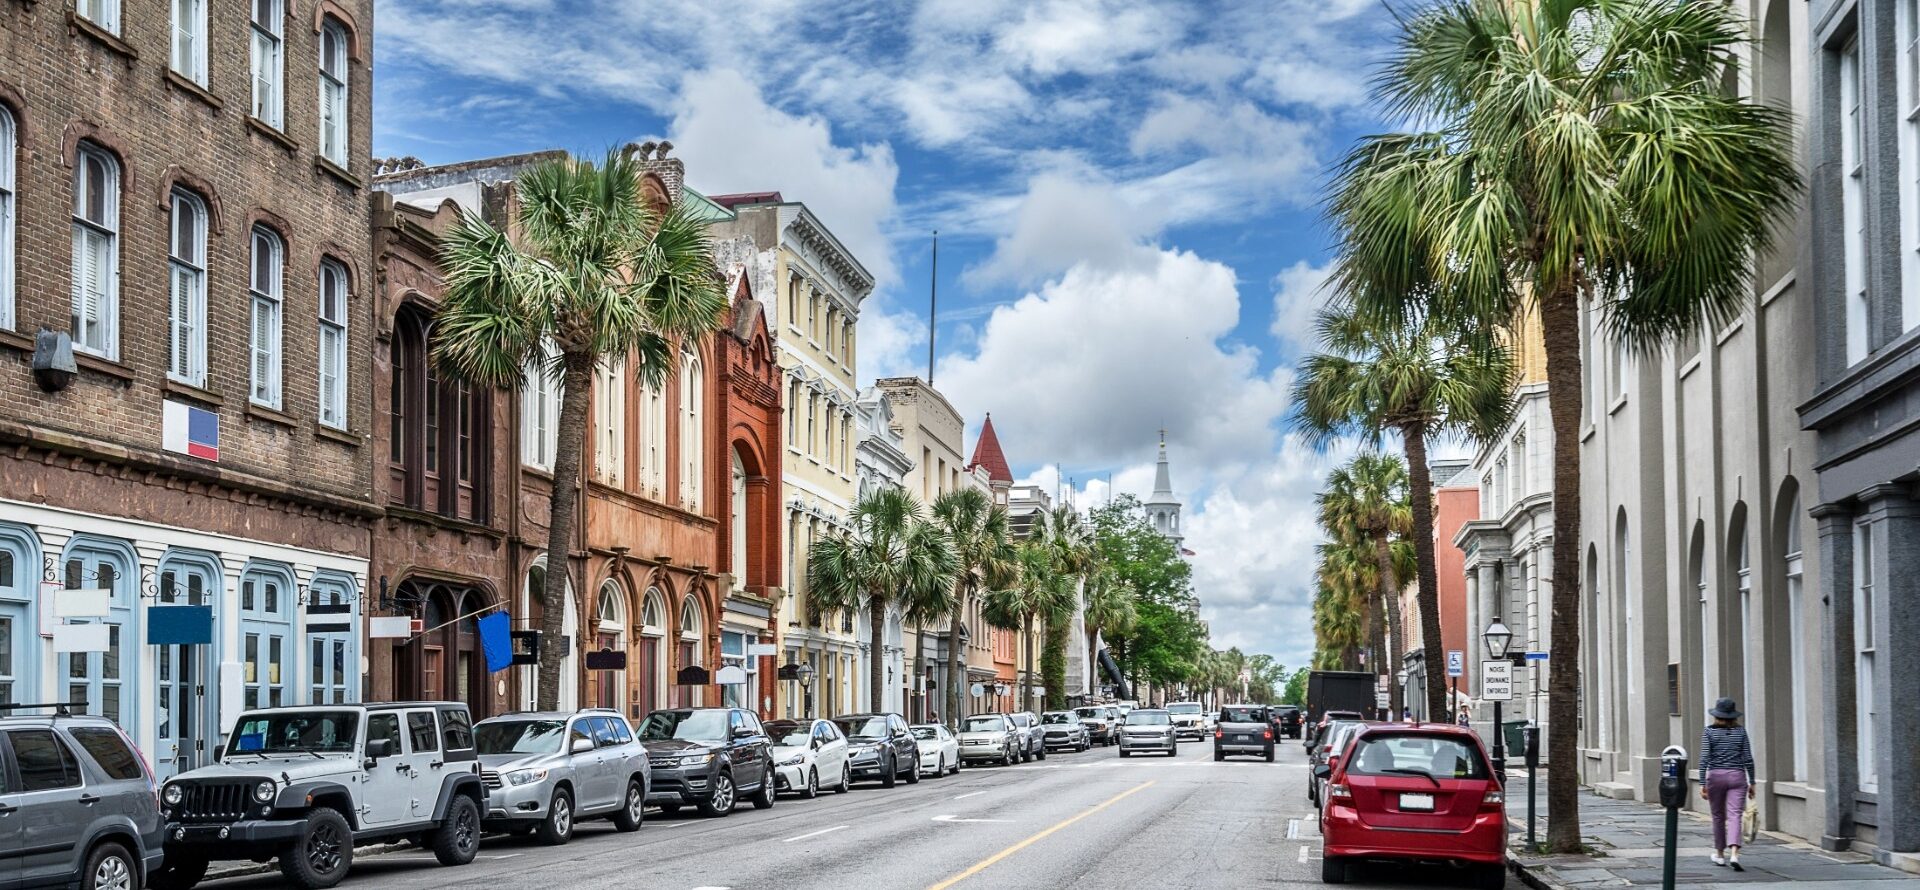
(1727, 797)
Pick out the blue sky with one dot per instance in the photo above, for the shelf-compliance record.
(1125, 193)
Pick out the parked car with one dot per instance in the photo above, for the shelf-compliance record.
(1188, 721)
(1286, 720)
(1327, 719)
(1148, 729)
(1338, 735)
(707, 758)
(881, 747)
(1036, 738)
(805, 750)
(78, 809)
(308, 784)
(1243, 729)
(990, 737)
(1062, 730)
(1102, 723)
(544, 771)
(1420, 793)
(939, 749)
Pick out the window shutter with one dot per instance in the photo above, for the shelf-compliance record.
(91, 268)
(262, 354)
(182, 323)
(330, 375)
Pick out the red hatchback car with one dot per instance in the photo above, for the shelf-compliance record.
(1414, 792)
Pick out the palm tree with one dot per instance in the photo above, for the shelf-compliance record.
(1367, 500)
(1420, 372)
(984, 560)
(1109, 606)
(1576, 150)
(1062, 532)
(1041, 593)
(890, 556)
(589, 274)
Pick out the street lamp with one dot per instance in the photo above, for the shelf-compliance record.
(806, 688)
(1497, 638)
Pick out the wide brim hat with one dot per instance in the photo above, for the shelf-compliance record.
(1724, 709)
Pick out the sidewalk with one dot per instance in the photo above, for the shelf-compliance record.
(1628, 838)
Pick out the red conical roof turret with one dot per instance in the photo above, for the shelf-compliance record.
(987, 453)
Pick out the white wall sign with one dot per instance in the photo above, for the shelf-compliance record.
(391, 628)
(1496, 680)
(83, 603)
(731, 675)
(81, 638)
(759, 649)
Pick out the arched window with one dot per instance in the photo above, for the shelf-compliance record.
(268, 253)
(1702, 619)
(189, 51)
(438, 430)
(19, 588)
(610, 422)
(96, 252)
(1624, 567)
(266, 630)
(7, 150)
(610, 635)
(691, 631)
(269, 24)
(739, 520)
(332, 656)
(649, 663)
(692, 398)
(1793, 565)
(102, 678)
(333, 344)
(187, 288)
(1740, 569)
(653, 440)
(333, 92)
(540, 408)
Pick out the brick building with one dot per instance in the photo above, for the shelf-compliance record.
(195, 224)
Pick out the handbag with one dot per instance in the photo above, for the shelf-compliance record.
(1750, 820)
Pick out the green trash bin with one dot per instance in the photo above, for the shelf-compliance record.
(1515, 736)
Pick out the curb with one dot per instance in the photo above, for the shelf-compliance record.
(1528, 877)
(261, 868)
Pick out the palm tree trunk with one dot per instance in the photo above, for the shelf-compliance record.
(1026, 643)
(571, 441)
(1560, 320)
(1389, 604)
(1420, 478)
(920, 668)
(956, 662)
(876, 659)
(1053, 664)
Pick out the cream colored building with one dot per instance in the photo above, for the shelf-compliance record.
(813, 301)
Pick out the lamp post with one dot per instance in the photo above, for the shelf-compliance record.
(1497, 638)
(806, 688)
(1000, 692)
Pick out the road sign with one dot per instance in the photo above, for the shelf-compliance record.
(1379, 699)
(1536, 656)
(1496, 680)
(1456, 663)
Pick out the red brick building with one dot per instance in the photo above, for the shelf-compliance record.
(194, 224)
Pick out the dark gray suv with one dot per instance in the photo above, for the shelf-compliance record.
(77, 807)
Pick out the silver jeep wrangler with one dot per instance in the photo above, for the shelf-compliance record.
(308, 784)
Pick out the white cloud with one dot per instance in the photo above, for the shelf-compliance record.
(1298, 293)
(1062, 221)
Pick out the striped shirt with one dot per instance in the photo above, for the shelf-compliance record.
(1725, 747)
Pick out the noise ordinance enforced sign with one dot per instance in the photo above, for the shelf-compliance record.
(1496, 680)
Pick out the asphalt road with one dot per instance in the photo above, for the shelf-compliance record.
(1082, 821)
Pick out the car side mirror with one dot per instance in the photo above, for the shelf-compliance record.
(379, 748)
(219, 751)
(741, 732)
(1322, 771)
(582, 746)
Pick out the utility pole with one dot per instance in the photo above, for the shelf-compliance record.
(933, 305)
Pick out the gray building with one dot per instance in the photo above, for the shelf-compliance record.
(1861, 267)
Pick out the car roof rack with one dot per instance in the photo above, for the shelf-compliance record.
(60, 709)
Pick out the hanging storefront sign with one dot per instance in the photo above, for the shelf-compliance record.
(179, 625)
(496, 642)
(85, 603)
(758, 650)
(526, 646)
(82, 638)
(329, 618)
(390, 627)
(606, 660)
(731, 675)
(692, 675)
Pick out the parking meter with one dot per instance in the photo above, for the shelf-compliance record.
(1530, 736)
(1673, 777)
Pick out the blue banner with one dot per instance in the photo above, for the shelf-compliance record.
(179, 625)
(496, 640)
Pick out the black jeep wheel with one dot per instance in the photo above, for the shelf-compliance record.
(322, 853)
(457, 840)
(557, 828)
(178, 872)
(633, 808)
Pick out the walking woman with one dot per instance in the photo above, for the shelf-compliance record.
(1726, 779)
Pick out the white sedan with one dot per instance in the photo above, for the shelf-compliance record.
(939, 749)
(809, 755)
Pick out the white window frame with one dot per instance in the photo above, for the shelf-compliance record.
(540, 410)
(738, 522)
(692, 395)
(268, 300)
(1622, 367)
(189, 45)
(101, 234)
(187, 289)
(1796, 638)
(7, 149)
(1908, 27)
(1865, 682)
(1743, 586)
(653, 438)
(268, 55)
(335, 292)
(1853, 203)
(105, 13)
(609, 422)
(334, 77)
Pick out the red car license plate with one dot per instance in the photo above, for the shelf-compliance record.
(1421, 802)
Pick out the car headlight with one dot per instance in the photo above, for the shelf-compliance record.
(795, 760)
(697, 759)
(263, 792)
(525, 776)
(171, 795)
(865, 753)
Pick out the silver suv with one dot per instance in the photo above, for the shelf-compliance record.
(76, 802)
(544, 771)
(1033, 740)
(308, 784)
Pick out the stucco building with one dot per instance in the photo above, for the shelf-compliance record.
(1453, 506)
(881, 461)
(184, 240)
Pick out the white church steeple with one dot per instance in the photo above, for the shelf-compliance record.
(1163, 509)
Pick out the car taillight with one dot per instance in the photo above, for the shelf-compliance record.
(1494, 800)
(1339, 792)
(1266, 733)
(1219, 734)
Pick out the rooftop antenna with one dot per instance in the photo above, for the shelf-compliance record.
(933, 305)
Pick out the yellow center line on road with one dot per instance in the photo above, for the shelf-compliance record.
(984, 864)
